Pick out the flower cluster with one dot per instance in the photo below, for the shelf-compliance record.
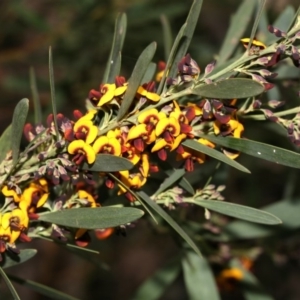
(50, 175)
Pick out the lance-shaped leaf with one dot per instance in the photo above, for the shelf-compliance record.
(286, 210)
(192, 144)
(167, 35)
(52, 91)
(9, 285)
(18, 122)
(114, 61)
(148, 76)
(239, 211)
(229, 89)
(108, 163)
(42, 289)
(168, 219)
(35, 97)
(171, 57)
(186, 38)
(137, 75)
(5, 142)
(93, 218)
(176, 175)
(238, 25)
(155, 287)
(12, 260)
(264, 151)
(198, 278)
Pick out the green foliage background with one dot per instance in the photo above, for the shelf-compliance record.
(80, 33)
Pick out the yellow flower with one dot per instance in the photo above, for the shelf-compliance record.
(82, 194)
(35, 195)
(85, 130)
(82, 151)
(108, 92)
(147, 91)
(107, 145)
(255, 43)
(169, 128)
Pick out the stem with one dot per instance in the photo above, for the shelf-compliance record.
(262, 117)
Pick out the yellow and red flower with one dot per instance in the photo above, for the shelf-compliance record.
(84, 129)
(191, 156)
(35, 195)
(147, 91)
(107, 145)
(82, 194)
(81, 151)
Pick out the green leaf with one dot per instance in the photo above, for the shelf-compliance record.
(264, 151)
(10, 286)
(149, 75)
(198, 277)
(286, 210)
(167, 36)
(256, 22)
(238, 25)
(169, 181)
(229, 89)
(192, 144)
(171, 57)
(155, 287)
(114, 61)
(139, 70)
(186, 38)
(52, 91)
(10, 260)
(18, 122)
(169, 220)
(5, 142)
(239, 211)
(252, 289)
(184, 183)
(108, 163)
(42, 289)
(35, 97)
(283, 22)
(93, 218)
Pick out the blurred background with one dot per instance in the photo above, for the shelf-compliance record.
(80, 33)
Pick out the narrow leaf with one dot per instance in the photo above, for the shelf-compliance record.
(42, 289)
(114, 61)
(10, 286)
(169, 220)
(93, 218)
(238, 25)
(264, 151)
(230, 88)
(5, 142)
(138, 72)
(198, 277)
(155, 287)
(192, 144)
(256, 22)
(169, 181)
(286, 210)
(108, 163)
(239, 211)
(150, 72)
(167, 36)
(35, 97)
(52, 90)
(10, 260)
(188, 33)
(171, 57)
(18, 122)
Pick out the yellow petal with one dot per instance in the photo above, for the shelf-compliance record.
(161, 126)
(161, 143)
(147, 114)
(153, 96)
(120, 90)
(137, 131)
(109, 94)
(74, 146)
(89, 153)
